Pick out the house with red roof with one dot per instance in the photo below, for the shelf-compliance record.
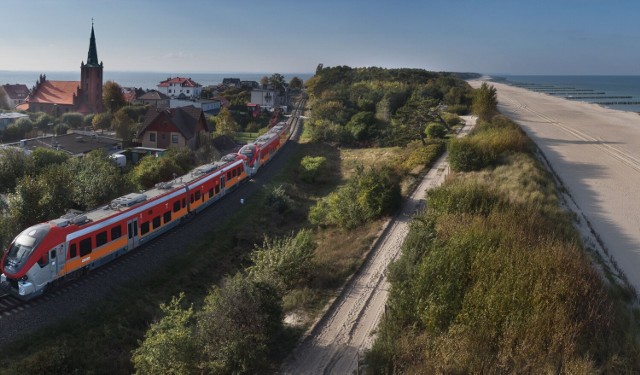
(59, 97)
(179, 87)
(13, 95)
(182, 127)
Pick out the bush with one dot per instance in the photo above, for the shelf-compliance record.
(278, 200)
(367, 196)
(73, 119)
(313, 169)
(419, 155)
(436, 130)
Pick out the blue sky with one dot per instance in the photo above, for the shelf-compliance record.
(490, 36)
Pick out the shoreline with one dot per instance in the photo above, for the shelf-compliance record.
(595, 151)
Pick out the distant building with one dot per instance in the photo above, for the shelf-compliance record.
(77, 143)
(174, 87)
(155, 99)
(249, 84)
(232, 82)
(176, 127)
(58, 97)
(14, 95)
(8, 118)
(266, 98)
(208, 106)
(131, 94)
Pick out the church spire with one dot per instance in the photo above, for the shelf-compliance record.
(92, 58)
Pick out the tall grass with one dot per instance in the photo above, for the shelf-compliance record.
(493, 279)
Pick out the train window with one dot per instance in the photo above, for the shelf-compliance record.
(234, 173)
(44, 260)
(73, 252)
(101, 238)
(85, 247)
(167, 217)
(116, 232)
(144, 228)
(228, 176)
(239, 171)
(184, 203)
(176, 206)
(191, 198)
(217, 189)
(156, 222)
(198, 195)
(210, 192)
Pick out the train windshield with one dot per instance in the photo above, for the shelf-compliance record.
(23, 246)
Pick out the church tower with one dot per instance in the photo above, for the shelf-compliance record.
(90, 92)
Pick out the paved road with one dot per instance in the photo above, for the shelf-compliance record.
(337, 342)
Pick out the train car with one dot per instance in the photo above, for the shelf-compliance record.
(46, 253)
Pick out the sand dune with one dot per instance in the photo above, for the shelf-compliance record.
(596, 153)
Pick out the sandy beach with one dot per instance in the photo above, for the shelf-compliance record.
(595, 151)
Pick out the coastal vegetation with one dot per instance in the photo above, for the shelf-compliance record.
(187, 316)
(493, 277)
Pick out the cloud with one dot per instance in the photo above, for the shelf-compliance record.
(178, 55)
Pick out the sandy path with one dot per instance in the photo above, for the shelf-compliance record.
(337, 342)
(596, 153)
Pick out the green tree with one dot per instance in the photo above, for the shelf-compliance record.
(24, 124)
(436, 130)
(169, 346)
(96, 180)
(361, 125)
(124, 126)
(239, 326)
(313, 169)
(295, 83)
(225, 123)
(102, 121)
(283, 262)
(41, 158)
(112, 96)
(44, 122)
(73, 119)
(152, 170)
(277, 81)
(264, 80)
(485, 102)
(13, 165)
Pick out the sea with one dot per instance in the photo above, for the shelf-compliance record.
(144, 80)
(617, 92)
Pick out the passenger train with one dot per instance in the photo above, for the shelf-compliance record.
(47, 253)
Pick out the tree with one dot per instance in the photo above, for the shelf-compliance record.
(112, 96)
(277, 81)
(43, 122)
(102, 121)
(225, 124)
(264, 80)
(96, 180)
(125, 127)
(13, 165)
(416, 115)
(295, 83)
(239, 326)
(152, 170)
(169, 346)
(41, 158)
(24, 124)
(485, 102)
(361, 125)
(73, 119)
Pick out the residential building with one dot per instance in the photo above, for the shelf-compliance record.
(231, 82)
(14, 95)
(182, 127)
(58, 97)
(131, 94)
(175, 87)
(155, 99)
(7, 118)
(208, 106)
(266, 98)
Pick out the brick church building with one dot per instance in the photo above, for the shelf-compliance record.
(59, 97)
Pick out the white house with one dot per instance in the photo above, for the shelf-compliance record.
(266, 98)
(180, 87)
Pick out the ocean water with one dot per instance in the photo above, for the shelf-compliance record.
(145, 80)
(598, 89)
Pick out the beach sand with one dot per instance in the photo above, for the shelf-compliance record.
(595, 152)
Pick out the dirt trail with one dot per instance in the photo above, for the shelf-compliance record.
(336, 344)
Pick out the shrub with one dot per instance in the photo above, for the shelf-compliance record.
(313, 169)
(436, 130)
(419, 155)
(278, 200)
(73, 119)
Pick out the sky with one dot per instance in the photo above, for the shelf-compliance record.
(581, 37)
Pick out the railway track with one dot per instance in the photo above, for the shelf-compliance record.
(11, 305)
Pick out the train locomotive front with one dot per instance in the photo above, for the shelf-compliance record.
(31, 261)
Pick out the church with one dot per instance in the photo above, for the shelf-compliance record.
(59, 97)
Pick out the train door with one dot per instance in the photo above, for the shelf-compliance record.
(223, 179)
(56, 260)
(132, 229)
